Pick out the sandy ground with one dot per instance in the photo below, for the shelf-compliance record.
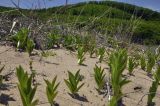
(47, 68)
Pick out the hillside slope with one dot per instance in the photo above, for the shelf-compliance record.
(104, 17)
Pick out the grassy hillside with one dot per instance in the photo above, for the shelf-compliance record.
(104, 17)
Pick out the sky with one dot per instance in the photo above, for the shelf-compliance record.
(152, 4)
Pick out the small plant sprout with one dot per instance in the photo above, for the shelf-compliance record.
(99, 77)
(73, 81)
(51, 90)
(143, 62)
(1, 76)
(154, 87)
(92, 50)
(151, 60)
(30, 46)
(131, 65)
(117, 63)
(101, 53)
(25, 88)
(80, 55)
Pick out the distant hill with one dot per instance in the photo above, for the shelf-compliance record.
(102, 16)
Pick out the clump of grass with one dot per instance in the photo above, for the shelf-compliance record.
(117, 63)
(51, 90)
(73, 82)
(99, 76)
(25, 88)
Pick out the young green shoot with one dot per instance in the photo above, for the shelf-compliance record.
(101, 53)
(132, 64)
(99, 77)
(80, 55)
(154, 87)
(117, 63)
(73, 82)
(51, 90)
(25, 88)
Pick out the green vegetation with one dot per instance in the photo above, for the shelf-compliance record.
(80, 55)
(131, 64)
(51, 90)
(143, 62)
(117, 63)
(151, 60)
(154, 87)
(53, 39)
(20, 39)
(99, 77)
(73, 82)
(101, 53)
(30, 46)
(25, 88)
(104, 17)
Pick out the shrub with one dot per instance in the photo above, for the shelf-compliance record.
(154, 87)
(117, 63)
(25, 88)
(99, 77)
(51, 90)
(80, 55)
(73, 82)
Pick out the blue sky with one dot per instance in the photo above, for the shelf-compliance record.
(152, 4)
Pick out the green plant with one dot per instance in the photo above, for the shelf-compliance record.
(47, 53)
(25, 88)
(117, 63)
(51, 90)
(101, 53)
(30, 46)
(80, 55)
(73, 82)
(151, 60)
(53, 39)
(153, 88)
(1, 76)
(70, 42)
(143, 62)
(20, 39)
(131, 64)
(99, 77)
(91, 50)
